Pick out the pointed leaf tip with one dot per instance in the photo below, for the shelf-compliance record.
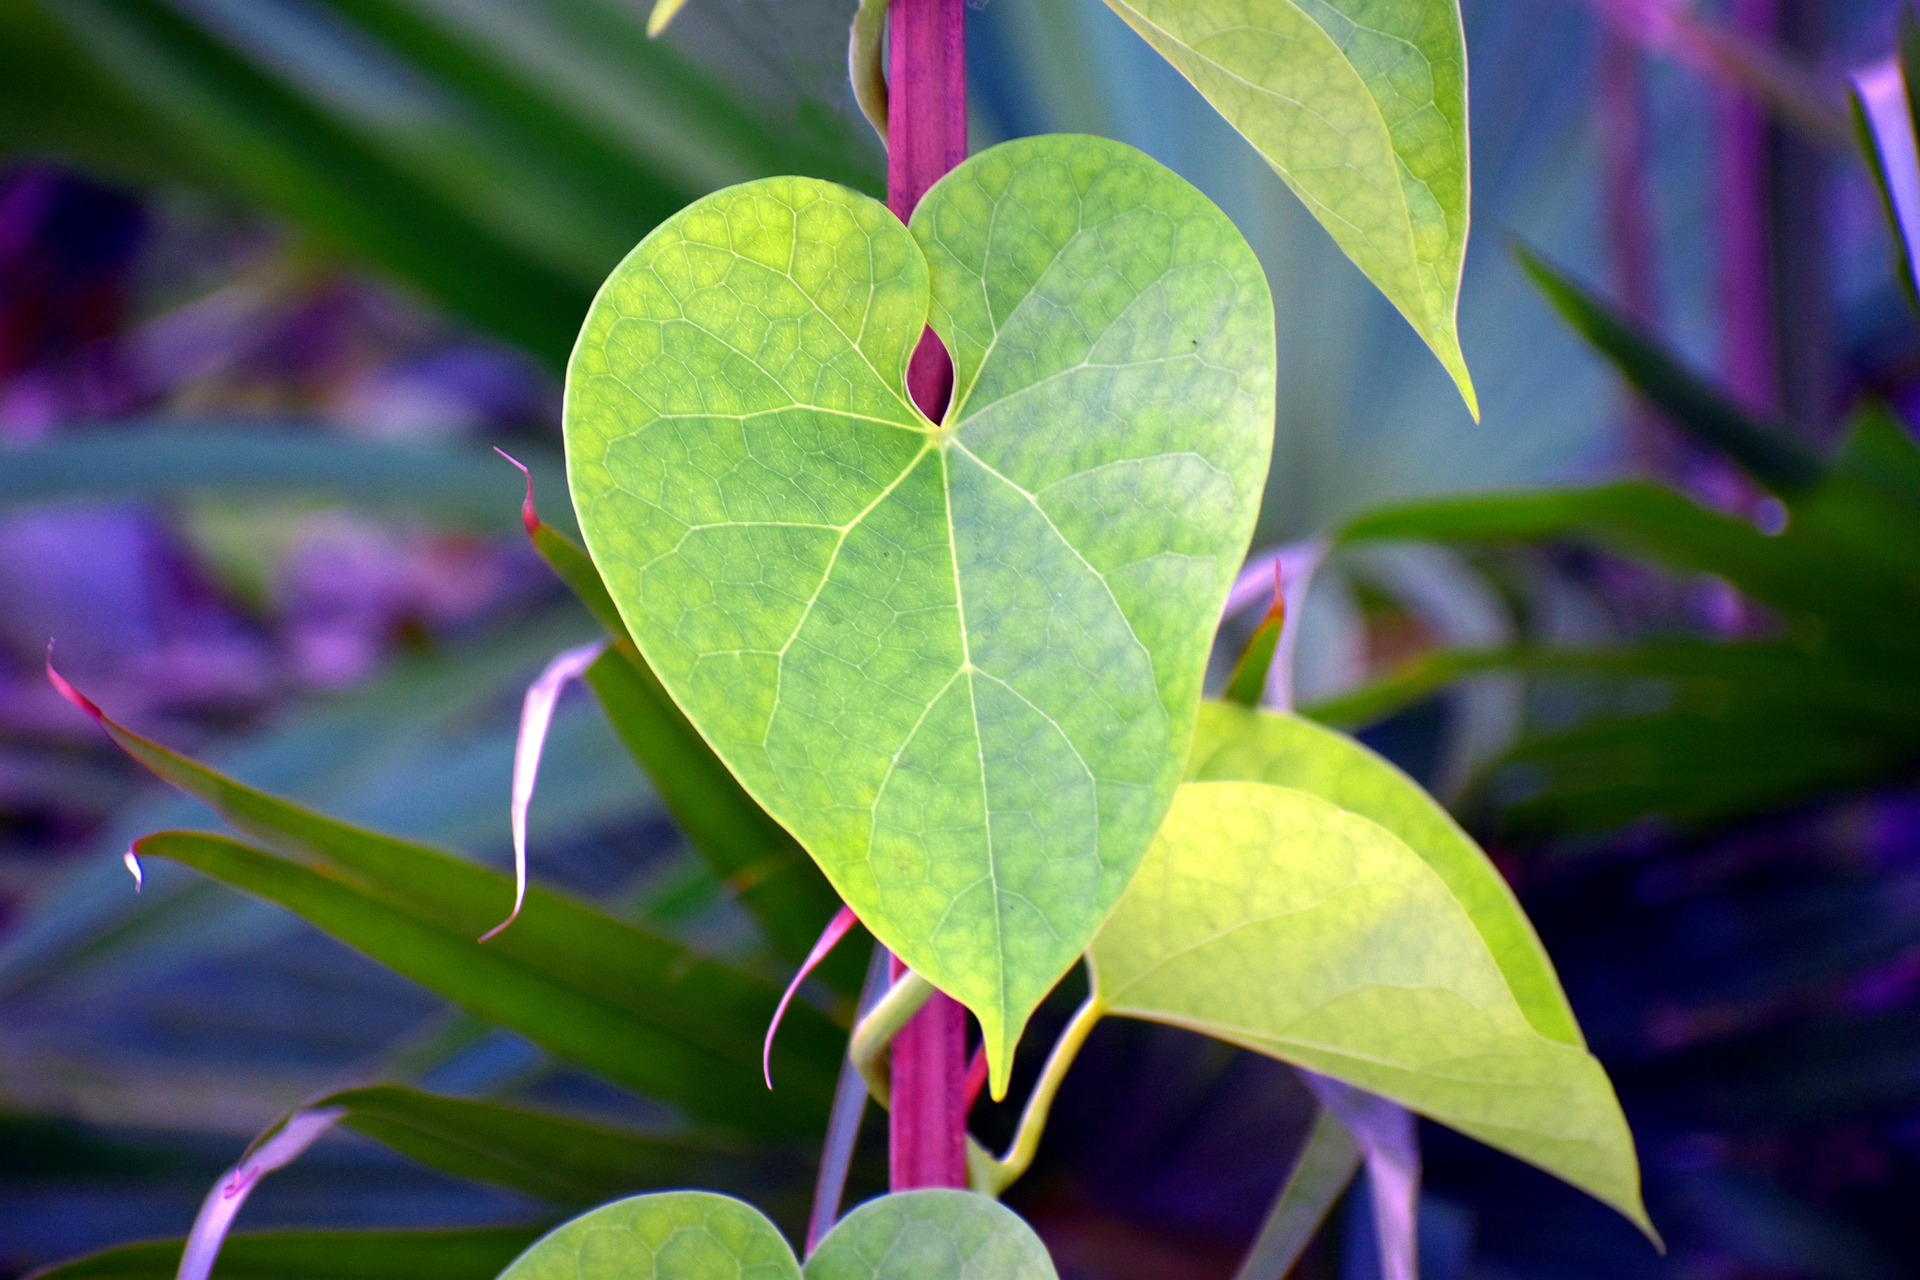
(837, 928)
(222, 1205)
(663, 13)
(529, 514)
(71, 694)
(536, 717)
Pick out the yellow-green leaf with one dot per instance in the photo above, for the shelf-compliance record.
(696, 1235)
(1235, 744)
(1275, 920)
(1361, 106)
(959, 661)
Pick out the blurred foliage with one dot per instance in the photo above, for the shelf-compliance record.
(1752, 988)
(1823, 695)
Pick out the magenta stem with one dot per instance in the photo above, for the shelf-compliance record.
(926, 137)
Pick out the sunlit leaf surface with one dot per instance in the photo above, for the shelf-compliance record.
(675, 1235)
(695, 1235)
(1361, 105)
(1273, 919)
(1235, 744)
(959, 661)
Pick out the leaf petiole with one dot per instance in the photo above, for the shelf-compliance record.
(877, 1030)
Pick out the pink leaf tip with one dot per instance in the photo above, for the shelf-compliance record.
(71, 694)
(529, 514)
(837, 928)
(536, 717)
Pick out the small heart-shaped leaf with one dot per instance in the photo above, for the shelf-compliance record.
(696, 1235)
(931, 1235)
(674, 1235)
(960, 662)
(1273, 919)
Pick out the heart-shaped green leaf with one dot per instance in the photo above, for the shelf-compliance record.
(931, 1235)
(1273, 919)
(1236, 744)
(1361, 106)
(696, 1235)
(959, 662)
(671, 1235)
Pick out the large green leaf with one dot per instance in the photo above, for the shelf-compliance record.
(1236, 744)
(696, 1235)
(1361, 106)
(1273, 919)
(750, 853)
(959, 661)
(461, 1254)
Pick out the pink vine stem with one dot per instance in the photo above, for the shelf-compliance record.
(926, 137)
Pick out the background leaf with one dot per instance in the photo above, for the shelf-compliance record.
(1270, 918)
(556, 1157)
(315, 1255)
(606, 1018)
(1362, 107)
(1236, 744)
(463, 485)
(1767, 451)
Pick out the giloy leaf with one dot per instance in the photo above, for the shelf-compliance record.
(931, 1235)
(696, 1235)
(959, 662)
(1275, 920)
(1235, 744)
(1361, 106)
(751, 852)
